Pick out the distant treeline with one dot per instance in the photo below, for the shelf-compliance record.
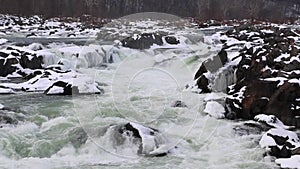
(273, 10)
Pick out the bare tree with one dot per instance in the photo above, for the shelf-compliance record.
(253, 7)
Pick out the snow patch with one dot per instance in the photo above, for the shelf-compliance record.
(214, 109)
(293, 162)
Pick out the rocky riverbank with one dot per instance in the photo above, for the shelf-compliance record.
(258, 67)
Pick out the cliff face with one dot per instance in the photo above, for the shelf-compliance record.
(205, 9)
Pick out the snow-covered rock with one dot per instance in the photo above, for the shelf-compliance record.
(6, 90)
(214, 109)
(272, 120)
(270, 139)
(3, 41)
(280, 142)
(146, 40)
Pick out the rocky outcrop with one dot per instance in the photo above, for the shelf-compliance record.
(7, 66)
(267, 76)
(15, 60)
(279, 141)
(266, 68)
(146, 40)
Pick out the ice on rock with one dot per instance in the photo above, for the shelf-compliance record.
(214, 109)
(271, 120)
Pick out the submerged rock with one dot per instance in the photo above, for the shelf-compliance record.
(178, 103)
(9, 117)
(78, 137)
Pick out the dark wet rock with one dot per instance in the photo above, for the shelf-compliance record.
(203, 84)
(178, 103)
(172, 40)
(282, 101)
(9, 117)
(3, 55)
(7, 66)
(66, 89)
(35, 62)
(278, 152)
(129, 128)
(31, 35)
(279, 140)
(200, 71)
(146, 40)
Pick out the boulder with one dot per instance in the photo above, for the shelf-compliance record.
(7, 66)
(31, 61)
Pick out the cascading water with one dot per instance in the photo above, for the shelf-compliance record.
(90, 131)
(223, 78)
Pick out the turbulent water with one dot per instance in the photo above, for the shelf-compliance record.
(139, 87)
